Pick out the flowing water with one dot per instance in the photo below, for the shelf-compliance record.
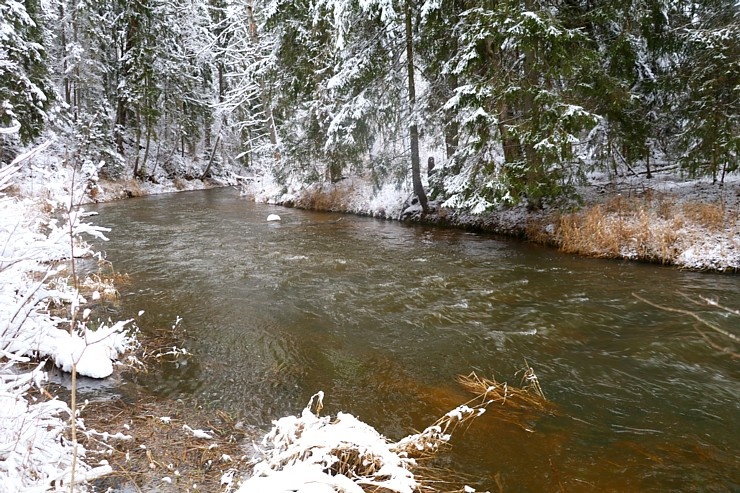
(383, 316)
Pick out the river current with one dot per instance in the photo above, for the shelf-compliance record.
(383, 316)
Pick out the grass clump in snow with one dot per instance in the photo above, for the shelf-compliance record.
(712, 216)
(328, 197)
(651, 226)
(639, 233)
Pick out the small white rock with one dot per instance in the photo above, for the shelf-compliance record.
(273, 217)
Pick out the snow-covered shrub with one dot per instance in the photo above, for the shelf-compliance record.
(35, 455)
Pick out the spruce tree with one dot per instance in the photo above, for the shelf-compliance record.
(26, 90)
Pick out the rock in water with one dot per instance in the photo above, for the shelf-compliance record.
(273, 217)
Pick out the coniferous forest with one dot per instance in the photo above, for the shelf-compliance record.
(517, 100)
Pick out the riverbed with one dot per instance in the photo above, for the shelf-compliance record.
(383, 316)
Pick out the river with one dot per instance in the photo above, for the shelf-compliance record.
(383, 316)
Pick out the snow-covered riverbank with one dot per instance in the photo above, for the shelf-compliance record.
(689, 224)
(39, 234)
(35, 214)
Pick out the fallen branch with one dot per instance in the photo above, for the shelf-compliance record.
(703, 321)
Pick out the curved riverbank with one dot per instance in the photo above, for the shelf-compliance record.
(668, 220)
(689, 224)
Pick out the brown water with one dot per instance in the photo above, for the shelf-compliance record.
(383, 317)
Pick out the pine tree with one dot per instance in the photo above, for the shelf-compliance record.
(518, 103)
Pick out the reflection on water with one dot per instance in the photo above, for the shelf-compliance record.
(383, 316)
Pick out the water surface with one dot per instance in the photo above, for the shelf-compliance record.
(382, 317)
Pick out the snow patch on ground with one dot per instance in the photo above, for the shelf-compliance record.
(300, 453)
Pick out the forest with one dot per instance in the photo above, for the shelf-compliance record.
(515, 101)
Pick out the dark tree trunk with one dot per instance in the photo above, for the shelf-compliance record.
(265, 99)
(414, 129)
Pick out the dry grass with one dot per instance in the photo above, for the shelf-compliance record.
(537, 230)
(153, 448)
(132, 188)
(642, 225)
(12, 190)
(711, 215)
(621, 228)
(515, 405)
(330, 198)
(105, 285)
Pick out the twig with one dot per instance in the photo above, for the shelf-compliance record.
(690, 314)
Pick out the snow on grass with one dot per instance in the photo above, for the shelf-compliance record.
(34, 453)
(313, 454)
(308, 453)
(689, 223)
(34, 456)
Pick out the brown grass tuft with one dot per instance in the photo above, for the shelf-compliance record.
(12, 190)
(527, 397)
(331, 198)
(104, 285)
(709, 215)
(538, 230)
(515, 405)
(591, 232)
(620, 229)
(132, 188)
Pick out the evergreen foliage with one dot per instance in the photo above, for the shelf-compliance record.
(519, 98)
(710, 103)
(26, 91)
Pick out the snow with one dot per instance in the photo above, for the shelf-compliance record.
(198, 433)
(35, 454)
(299, 452)
(697, 247)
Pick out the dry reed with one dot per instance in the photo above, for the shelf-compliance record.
(615, 231)
(642, 225)
(711, 215)
(105, 286)
(516, 405)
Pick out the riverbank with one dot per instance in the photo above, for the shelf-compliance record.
(668, 220)
(45, 315)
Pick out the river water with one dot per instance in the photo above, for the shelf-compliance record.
(383, 316)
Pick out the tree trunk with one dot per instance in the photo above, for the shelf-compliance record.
(265, 99)
(65, 49)
(414, 129)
